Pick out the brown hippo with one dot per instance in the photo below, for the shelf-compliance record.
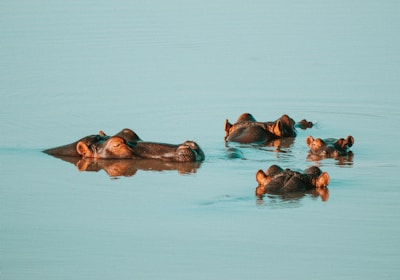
(276, 180)
(247, 130)
(70, 150)
(125, 146)
(329, 148)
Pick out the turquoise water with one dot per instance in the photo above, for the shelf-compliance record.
(175, 70)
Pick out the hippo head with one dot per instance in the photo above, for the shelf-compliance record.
(304, 124)
(283, 127)
(189, 151)
(248, 130)
(112, 147)
(70, 150)
(117, 147)
(277, 180)
(329, 147)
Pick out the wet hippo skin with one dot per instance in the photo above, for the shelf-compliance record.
(276, 180)
(70, 150)
(330, 147)
(127, 145)
(248, 130)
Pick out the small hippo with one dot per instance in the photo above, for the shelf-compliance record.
(247, 130)
(329, 148)
(276, 180)
(127, 145)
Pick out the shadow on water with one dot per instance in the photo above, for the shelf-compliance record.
(127, 167)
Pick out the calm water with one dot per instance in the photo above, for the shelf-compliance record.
(175, 70)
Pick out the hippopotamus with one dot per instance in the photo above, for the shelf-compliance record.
(247, 130)
(276, 180)
(70, 150)
(330, 147)
(127, 145)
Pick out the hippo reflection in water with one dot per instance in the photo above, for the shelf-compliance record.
(127, 145)
(247, 130)
(278, 181)
(280, 145)
(330, 148)
(129, 167)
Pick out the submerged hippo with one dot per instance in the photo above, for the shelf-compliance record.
(330, 147)
(127, 145)
(248, 130)
(276, 180)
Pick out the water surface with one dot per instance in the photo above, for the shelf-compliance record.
(173, 71)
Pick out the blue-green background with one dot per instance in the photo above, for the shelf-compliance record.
(175, 70)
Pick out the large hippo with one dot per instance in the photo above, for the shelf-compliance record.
(127, 145)
(330, 147)
(247, 130)
(276, 180)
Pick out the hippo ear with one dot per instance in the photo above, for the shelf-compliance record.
(227, 127)
(83, 150)
(350, 141)
(102, 133)
(322, 180)
(309, 141)
(278, 128)
(262, 178)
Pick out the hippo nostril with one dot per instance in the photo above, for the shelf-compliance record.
(197, 155)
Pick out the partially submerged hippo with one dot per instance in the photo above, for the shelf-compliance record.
(70, 150)
(276, 180)
(127, 145)
(330, 147)
(247, 130)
